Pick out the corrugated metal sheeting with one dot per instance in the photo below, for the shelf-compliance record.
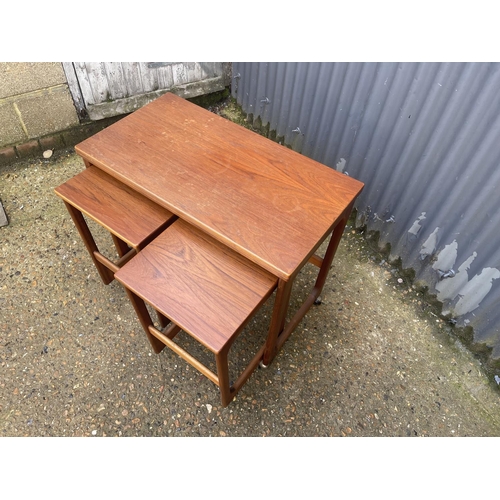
(425, 140)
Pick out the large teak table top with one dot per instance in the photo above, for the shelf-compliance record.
(263, 200)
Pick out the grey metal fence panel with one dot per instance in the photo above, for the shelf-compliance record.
(425, 139)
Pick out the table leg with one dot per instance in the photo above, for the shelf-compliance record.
(278, 318)
(82, 227)
(145, 320)
(278, 333)
(121, 247)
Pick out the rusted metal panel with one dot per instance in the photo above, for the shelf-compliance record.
(106, 89)
(424, 138)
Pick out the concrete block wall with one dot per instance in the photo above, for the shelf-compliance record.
(37, 111)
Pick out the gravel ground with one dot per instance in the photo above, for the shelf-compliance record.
(371, 360)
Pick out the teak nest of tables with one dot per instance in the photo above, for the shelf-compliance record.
(242, 216)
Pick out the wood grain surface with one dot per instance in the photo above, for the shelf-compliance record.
(121, 210)
(268, 203)
(207, 289)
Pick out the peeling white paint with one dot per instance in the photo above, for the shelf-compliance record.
(429, 245)
(449, 288)
(447, 257)
(416, 226)
(470, 293)
(476, 290)
(339, 167)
